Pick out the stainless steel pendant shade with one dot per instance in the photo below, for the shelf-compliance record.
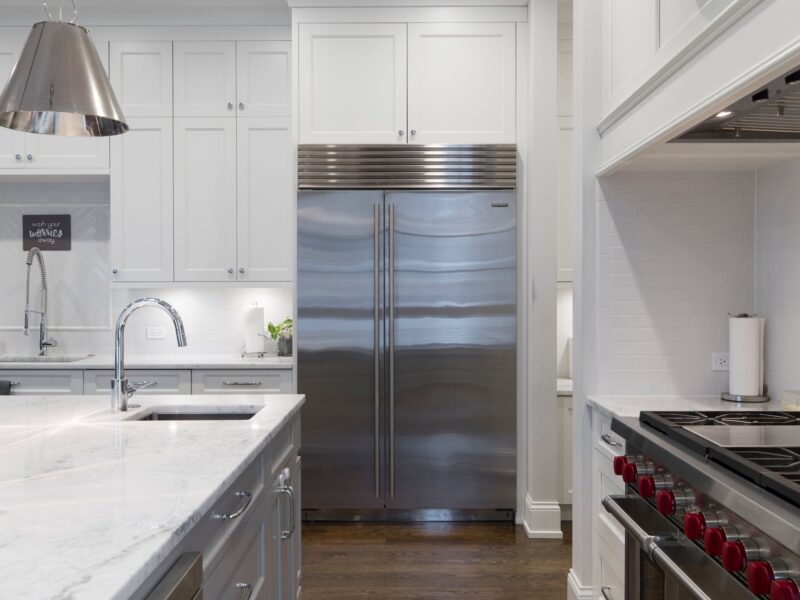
(59, 86)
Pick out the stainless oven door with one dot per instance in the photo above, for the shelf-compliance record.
(661, 563)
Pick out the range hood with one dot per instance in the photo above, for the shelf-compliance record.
(771, 114)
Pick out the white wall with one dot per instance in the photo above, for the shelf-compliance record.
(82, 307)
(778, 272)
(674, 255)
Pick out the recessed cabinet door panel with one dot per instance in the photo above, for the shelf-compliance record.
(11, 143)
(461, 83)
(141, 202)
(266, 214)
(353, 83)
(205, 79)
(141, 75)
(205, 199)
(263, 79)
(62, 152)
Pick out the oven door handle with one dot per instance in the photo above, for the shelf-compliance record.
(662, 546)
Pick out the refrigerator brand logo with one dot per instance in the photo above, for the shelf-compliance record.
(499, 204)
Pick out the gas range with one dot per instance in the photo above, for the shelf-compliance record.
(729, 484)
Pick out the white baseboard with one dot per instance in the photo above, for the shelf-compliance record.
(576, 590)
(542, 520)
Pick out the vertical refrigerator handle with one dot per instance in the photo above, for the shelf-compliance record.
(390, 293)
(376, 341)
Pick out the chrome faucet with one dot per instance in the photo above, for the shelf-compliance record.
(121, 390)
(44, 341)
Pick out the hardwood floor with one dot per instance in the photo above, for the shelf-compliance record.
(421, 561)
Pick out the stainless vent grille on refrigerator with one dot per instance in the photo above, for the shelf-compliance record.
(428, 167)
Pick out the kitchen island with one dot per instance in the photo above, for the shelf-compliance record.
(100, 505)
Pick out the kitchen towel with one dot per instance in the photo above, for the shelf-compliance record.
(746, 355)
(254, 329)
(5, 388)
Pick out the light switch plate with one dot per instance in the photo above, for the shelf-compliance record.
(156, 333)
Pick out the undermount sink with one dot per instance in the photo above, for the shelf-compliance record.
(53, 358)
(195, 415)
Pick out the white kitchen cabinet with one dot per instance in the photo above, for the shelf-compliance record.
(161, 381)
(266, 226)
(263, 79)
(141, 75)
(140, 246)
(205, 199)
(11, 145)
(205, 79)
(461, 83)
(352, 83)
(239, 381)
(565, 450)
(41, 382)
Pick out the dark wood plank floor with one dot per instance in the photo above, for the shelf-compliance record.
(421, 561)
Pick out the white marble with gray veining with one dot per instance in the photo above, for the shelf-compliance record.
(178, 360)
(91, 503)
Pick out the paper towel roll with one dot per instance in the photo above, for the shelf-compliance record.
(746, 356)
(254, 329)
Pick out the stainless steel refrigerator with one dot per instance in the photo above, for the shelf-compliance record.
(406, 332)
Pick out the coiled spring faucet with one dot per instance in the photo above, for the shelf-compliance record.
(44, 341)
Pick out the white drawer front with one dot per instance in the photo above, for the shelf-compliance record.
(165, 382)
(44, 382)
(612, 570)
(238, 381)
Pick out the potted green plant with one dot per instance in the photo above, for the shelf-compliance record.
(282, 333)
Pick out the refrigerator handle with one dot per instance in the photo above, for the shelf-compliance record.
(390, 293)
(376, 341)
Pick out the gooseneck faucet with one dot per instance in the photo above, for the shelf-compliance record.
(44, 341)
(121, 390)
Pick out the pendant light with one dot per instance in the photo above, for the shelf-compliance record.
(59, 86)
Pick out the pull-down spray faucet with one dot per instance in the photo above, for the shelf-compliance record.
(44, 341)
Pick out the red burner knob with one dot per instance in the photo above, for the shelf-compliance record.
(647, 486)
(629, 473)
(619, 464)
(784, 589)
(693, 525)
(665, 501)
(713, 538)
(734, 556)
(760, 577)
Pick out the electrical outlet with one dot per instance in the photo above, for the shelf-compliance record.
(719, 361)
(156, 333)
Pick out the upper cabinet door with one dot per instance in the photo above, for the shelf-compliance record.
(141, 75)
(12, 148)
(265, 207)
(461, 83)
(263, 79)
(205, 79)
(352, 83)
(205, 199)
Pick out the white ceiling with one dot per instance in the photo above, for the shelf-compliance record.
(697, 156)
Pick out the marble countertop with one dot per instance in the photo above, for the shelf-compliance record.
(178, 360)
(91, 502)
(631, 406)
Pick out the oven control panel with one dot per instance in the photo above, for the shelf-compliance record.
(767, 569)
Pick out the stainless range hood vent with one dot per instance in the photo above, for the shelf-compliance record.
(770, 114)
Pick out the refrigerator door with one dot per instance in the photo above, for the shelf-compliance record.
(451, 344)
(339, 306)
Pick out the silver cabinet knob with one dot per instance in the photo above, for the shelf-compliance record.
(18, 156)
(413, 132)
(230, 270)
(115, 270)
(241, 105)
(230, 105)
(401, 132)
(241, 270)
(29, 157)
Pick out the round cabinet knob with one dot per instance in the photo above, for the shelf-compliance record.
(713, 538)
(230, 270)
(760, 577)
(241, 105)
(400, 132)
(619, 464)
(241, 270)
(230, 105)
(413, 132)
(784, 589)
(18, 156)
(694, 524)
(734, 556)
(29, 157)
(115, 270)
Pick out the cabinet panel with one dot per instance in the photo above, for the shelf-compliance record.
(205, 199)
(11, 145)
(461, 83)
(263, 79)
(164, 381)
(140, 247)
(41, 382)
(352, 83)
(62, 152)
(141, 75)
(205, 79)
(265, 208)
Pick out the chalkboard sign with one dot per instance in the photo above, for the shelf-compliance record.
(46, 232)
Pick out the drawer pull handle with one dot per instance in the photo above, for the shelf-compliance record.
(238, 513)
(606, 591)
(606, 437)
(244, 586)
(241, 383)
